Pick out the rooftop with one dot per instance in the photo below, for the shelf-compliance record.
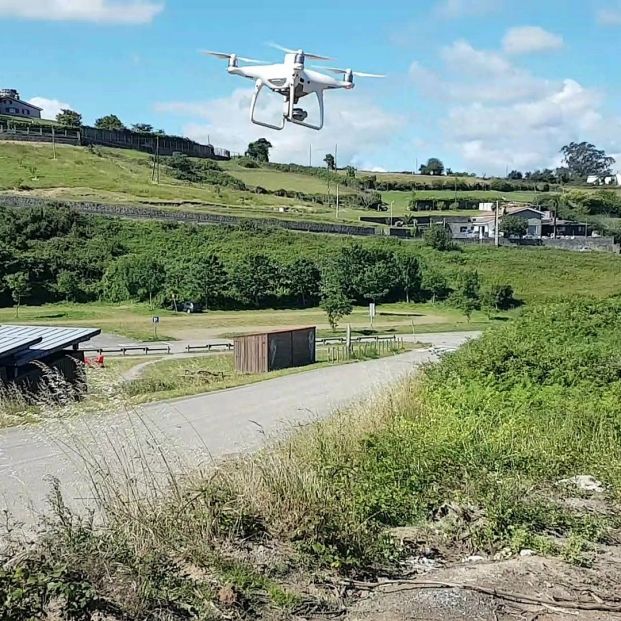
(20, 345)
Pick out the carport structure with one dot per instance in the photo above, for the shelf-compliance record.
(27, 351)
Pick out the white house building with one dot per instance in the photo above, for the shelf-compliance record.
(12, 105)
(609, 180)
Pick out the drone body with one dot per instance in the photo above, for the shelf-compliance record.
(294, 81)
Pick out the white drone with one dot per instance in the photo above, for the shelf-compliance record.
(292, 80)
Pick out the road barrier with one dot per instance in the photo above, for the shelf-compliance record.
(209, 347)
(124, 350)
(355, 339)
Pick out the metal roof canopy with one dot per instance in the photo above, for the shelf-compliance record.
(23, 344)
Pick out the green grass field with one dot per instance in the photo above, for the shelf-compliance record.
(134, 320)
(112, 175)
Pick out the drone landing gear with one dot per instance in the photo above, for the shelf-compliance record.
(258, 87)
(299, 116)
(292, 114)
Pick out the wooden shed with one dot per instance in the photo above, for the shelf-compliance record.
(270, 351)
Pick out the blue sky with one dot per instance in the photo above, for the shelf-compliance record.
(483, 84)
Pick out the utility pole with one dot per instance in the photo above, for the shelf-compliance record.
(391, 206)
(53, 142)
(336, 156)
(310, 155)
(155, 174)
(496, 231)
(337, 201)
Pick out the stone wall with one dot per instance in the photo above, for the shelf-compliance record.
(152, 213)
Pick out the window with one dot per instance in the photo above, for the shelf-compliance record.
(463, 229)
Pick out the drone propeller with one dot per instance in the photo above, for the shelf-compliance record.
(276, 46)
(358, 74)
(229, 56)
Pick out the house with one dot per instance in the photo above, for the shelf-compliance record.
(608, 180)
(12, 105)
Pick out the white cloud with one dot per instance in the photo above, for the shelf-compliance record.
(471, 74)
(453, 9)
(360, 127)
(610, 16)
(101, 11)
(463, 57)
(529, 39)
(529, 134)
(51, 107)
(497, 114)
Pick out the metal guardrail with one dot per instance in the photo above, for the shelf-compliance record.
(209, 347)
(129, 349)
(355, 339)
(125, 350)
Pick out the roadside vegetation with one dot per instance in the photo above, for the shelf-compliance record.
(476, 456)
(55, 255)
(124, 382)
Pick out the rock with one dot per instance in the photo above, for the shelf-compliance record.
(503, 554)
(475, 559)
(527, 552)
(585, 483)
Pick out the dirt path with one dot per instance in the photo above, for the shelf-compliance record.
(549, 580)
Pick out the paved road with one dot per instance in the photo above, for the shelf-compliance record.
(193, 431)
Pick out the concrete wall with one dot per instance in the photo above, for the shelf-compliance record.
(595, 244)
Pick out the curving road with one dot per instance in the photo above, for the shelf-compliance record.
(186, 431)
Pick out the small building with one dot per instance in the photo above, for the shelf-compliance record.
(270, 351)
(12, 105)
(29, 353)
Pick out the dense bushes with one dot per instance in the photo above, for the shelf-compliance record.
(58, 254)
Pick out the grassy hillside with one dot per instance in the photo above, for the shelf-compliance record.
(475, 457)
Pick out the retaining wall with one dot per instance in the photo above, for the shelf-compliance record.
(151, 213)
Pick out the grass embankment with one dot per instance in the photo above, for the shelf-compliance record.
(125, 382)
(119, 175)
(471, 456)
(173, 378)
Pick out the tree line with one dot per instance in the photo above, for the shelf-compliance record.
(55, 254)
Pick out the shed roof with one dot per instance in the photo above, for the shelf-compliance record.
(281, 331)
(23, 344)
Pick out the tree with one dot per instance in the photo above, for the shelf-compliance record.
(435, 284)
(69, 118)
(434, 166)
(303, 280)
(498, 296)
(259, 150)
(19, 286)
(69, 286)
(467, 295)
(142, 128)
(335, 304)
(409, 275)
(255, 278)
(438, 237)
(330, 161)
(199, 278)
(583, 159)
(515, 175)
(111, 122)
(350, 171)
(134, 277)
(514, 226)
